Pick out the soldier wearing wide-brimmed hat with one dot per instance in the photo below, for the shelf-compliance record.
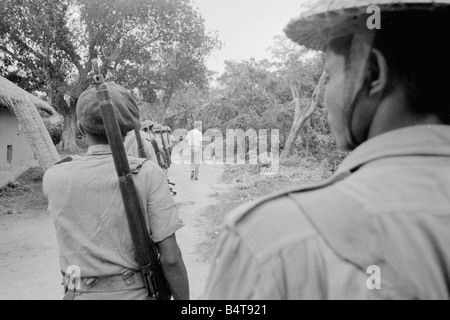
(161, 153)
(132, 146)
(149, 134)
(379, 228)
(89, 216)
(147, 125)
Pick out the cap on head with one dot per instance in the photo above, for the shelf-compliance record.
(90, 116)
(328, 19)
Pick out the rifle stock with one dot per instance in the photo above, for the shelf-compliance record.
(147, 255)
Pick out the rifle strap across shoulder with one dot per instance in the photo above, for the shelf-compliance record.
(139, 167)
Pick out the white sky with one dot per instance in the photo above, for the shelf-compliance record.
(246, 27)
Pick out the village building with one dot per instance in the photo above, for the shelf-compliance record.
(24, 139)
(15, 149)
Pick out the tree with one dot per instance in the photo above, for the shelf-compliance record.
(175, 64)
(35, 41)
(303, 114)
(55, 41)
(301, 69)
(251, 86)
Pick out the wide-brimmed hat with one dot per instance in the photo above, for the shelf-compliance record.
(157, 128)
(147, 124)
(323, 20)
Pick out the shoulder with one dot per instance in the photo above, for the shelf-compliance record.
(270, 201)
(61, 170)
(277, 220)
(64, 163)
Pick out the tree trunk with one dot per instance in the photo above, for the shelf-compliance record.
(308, 133)
(301, 117)
(68, 139)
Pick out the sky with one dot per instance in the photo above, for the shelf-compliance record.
(245, 27)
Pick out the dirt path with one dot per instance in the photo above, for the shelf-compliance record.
(193, 198)
(29, 266)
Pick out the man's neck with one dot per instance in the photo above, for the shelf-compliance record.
(393, 114)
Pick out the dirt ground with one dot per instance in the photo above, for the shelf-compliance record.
(29, 268)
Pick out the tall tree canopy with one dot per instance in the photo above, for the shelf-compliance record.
(281, 93)
(154, 47)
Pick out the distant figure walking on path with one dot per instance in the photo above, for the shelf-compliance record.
(195, 139)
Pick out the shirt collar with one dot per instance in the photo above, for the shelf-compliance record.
(411, 141)
(99, 150)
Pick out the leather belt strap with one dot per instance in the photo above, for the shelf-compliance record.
(127, 280)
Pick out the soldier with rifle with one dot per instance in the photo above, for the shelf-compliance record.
(380, 227)
(166, 143)
(138, 145)
(158, 158)
(147, 128)
(157, 131)
(114, 216)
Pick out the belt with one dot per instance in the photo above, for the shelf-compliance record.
(126, 280)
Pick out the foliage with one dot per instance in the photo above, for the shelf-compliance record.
(157, 49)
(153, 47)
(263, 95)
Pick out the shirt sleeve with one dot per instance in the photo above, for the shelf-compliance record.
(161, 208)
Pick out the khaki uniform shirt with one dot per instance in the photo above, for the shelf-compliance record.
(89, 216)
(380, 229)
(132, 148)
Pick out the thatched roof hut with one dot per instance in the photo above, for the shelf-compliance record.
(25, 108)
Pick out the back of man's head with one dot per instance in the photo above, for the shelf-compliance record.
(417, 55)
(89, 113)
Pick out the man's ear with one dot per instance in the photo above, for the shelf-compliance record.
(378, 73)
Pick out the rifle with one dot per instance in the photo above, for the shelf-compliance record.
(146, 252)
(165, 142)
(141, 151)
(159, 156)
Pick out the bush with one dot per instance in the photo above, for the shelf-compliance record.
(334, 159)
